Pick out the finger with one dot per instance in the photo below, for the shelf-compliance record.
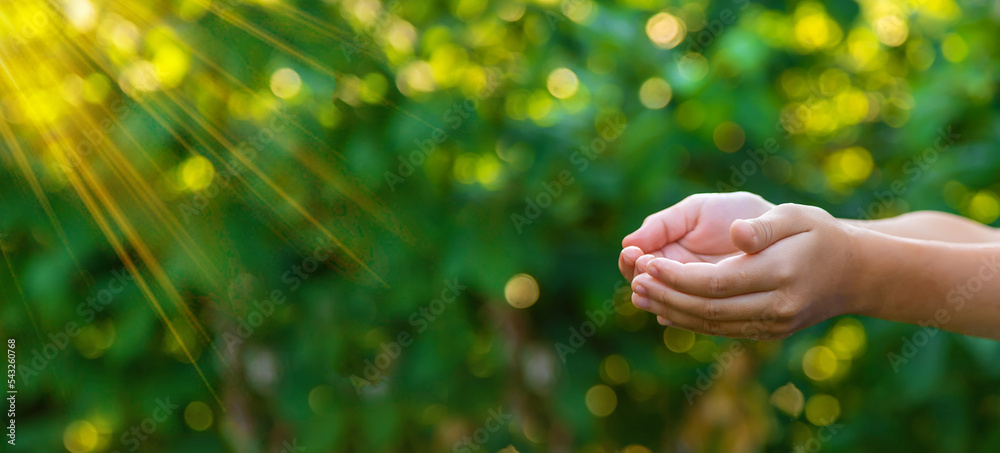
(784, 220)
(642, 263)
(626, 262)
(666, 226)
(739, 308)
(730, 277)
(732, 329)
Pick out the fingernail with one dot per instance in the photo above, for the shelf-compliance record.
(653, 271)
(630, 256)
(640, 290)
(641, 302)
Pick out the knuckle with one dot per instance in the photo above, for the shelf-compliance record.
(784, 310)
(791, 209)
(815, 212)
(710, 311)
(711, 326)
(718, 286)
(765, 230)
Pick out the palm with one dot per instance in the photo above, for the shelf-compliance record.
(698, 227)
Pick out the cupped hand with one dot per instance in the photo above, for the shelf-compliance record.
(791, 273)
(694, 230)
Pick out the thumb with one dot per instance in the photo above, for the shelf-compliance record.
(754, 235)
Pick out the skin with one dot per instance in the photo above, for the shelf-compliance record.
(736, 265)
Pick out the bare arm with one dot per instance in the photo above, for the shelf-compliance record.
(932, 226)
(801, 266)
(944, 285)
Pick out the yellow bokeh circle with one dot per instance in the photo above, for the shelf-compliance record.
(197, 173)
(819, 363)
(822, 410)
(729, 136)
(665, 30)
(285, 83)
(601, 400)
(678, 340)
(655, 93)
(562, 83)
(615, 369)
(521, 291)
(198, 416)
(80, 437)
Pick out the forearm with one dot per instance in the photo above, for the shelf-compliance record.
(952, 286)
(931, 225)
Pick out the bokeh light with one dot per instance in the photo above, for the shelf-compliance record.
(601, 400)
(954, 48)
(665, 30)
(197, 173)
(655, 93)
(788, 399)
(891, 30)
(819, 363)
(80, 437)
(198, 416)
(285, 83)
(693, 66)
(562, 83)
(847, 339)
(822, 410)
(729, 136)
(615, 369)
(521, 291)
(849, 166)
(678, 340)
(984, 206)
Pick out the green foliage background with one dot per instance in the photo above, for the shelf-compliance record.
(776, 73)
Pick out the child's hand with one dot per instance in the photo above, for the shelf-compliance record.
(694, 230)
(793, 275)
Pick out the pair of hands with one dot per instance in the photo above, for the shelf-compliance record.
(736, 265)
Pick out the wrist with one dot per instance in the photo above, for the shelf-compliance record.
(866, 281)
